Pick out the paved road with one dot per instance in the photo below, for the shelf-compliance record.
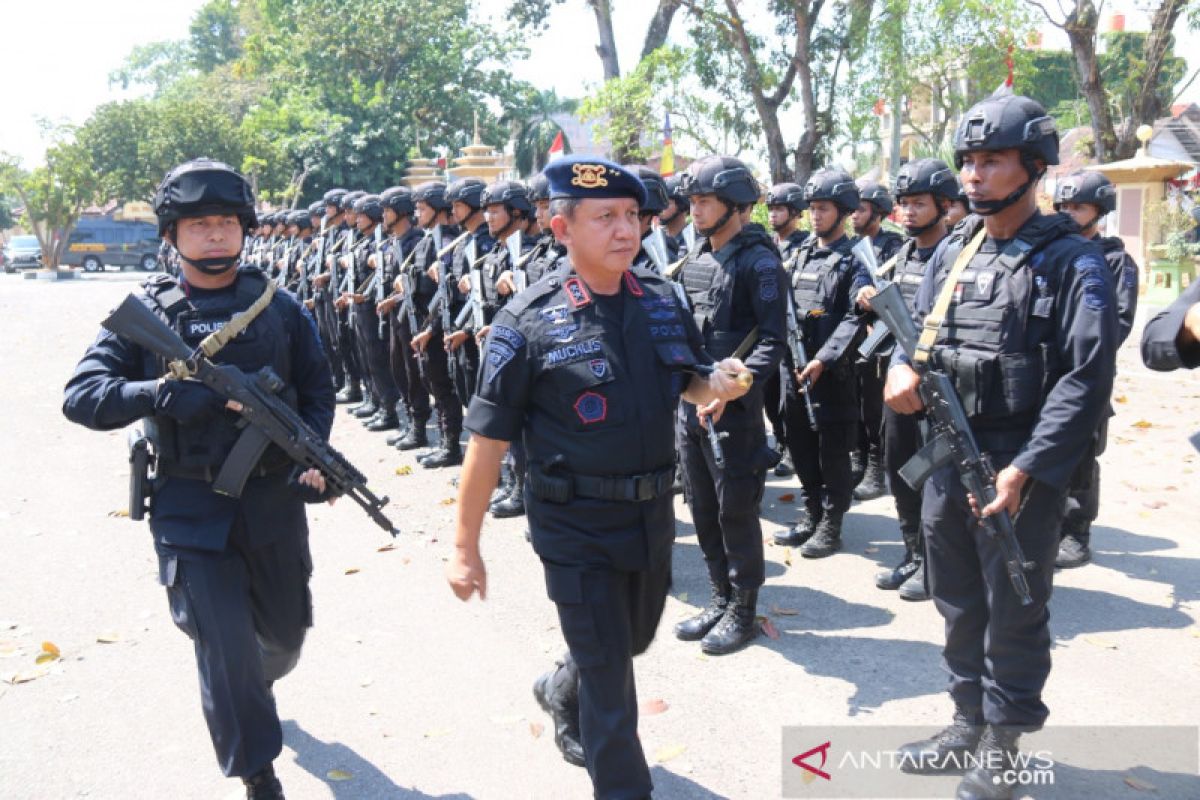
(403, 692)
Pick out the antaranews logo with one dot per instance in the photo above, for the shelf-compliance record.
(819, 771)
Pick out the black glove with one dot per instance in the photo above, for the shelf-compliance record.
(307, 493)
(187, 402)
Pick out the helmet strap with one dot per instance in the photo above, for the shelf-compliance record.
(987, 208)
(728, 215)
(213, 266)
(840, 224)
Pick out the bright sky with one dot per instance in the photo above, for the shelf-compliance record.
(98, 36)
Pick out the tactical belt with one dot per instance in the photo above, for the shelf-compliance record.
(560, 487)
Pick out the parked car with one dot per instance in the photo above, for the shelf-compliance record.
(22, 252)
(97, 242)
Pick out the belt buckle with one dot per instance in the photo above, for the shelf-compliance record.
(643, 487)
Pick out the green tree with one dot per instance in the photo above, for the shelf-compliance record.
(216, 34)
(529, 116)
(54, 194)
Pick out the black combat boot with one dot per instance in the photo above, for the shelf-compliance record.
(557, 692)
(737, 627)
(892, 579)
(417, 436)
(350, 394)
(697, 627)
(827, 539)
(801, 531)
(784, 468)
(994, 775)
(514, 504)
(366, 410)
(914, 589)
(946, 750)
(505, 487)
(858, 466)
(263, 785)
(449, 452)
(386, 421)
(874, 483)
(1073, 550)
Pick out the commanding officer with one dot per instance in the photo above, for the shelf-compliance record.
(588, 369)
(1021, 314)
(1086, 197)
(1171, 340)
(825, 269)
(924, 191)
(236, 570)
(736, 287)
(875, 203)
(398, 209)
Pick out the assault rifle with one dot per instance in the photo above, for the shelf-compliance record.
(951, 440)
(269, 419)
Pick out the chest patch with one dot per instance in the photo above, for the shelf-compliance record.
(591, 407)
(571, 353)
(196, 328)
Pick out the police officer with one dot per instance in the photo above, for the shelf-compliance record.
(657, 201)
(737, 291)
(924, 191)
(579, 366)
(235, 570)
(785, 207)
(1171, 340)
(430, 208)
(1024, 321)
(372, 343)
(959, 208)
(875, 203)
(398, 209)
(824, 272)
(352, 241)
(466, 195)
(345, 377)
(1087, 197)
(674, 217)
(548, 253)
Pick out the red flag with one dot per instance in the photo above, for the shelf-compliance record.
(557, 148)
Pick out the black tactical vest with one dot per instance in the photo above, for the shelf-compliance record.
(264, 344)
(820, 289)
(997, 340)
(709, 280)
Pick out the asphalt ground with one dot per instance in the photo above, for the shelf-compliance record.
(404, 692)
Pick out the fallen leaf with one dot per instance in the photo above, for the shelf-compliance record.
(665, 754)
(405, 470)
(28, 675)
(338, 775)
(1120, 399)
(1098, 641)
(652, 707)
(784, 612)
(787, 498)
(682, 597)
(108, 638)
(768, 628)
(1196, 632)
(536, 729)
(51, 648)
(1142, 424)
(352, 571)
(43, 658)
(449, 501)
(787, 556)
(1139, 784)
(387, 548)
(124, 512)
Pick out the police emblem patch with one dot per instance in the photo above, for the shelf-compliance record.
(589, 176)
(983, 283)
(599, 367)
(591, 407)
(555, 315)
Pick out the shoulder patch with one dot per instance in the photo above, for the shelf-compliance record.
(510, 336)
(577, 293)
(1094, 276)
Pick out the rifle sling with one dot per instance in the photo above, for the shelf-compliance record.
(935, 318)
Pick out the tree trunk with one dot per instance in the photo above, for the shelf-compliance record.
(1080, 27)
(660, 25)
(607, 49)
(810, 136)
(1147, 106)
